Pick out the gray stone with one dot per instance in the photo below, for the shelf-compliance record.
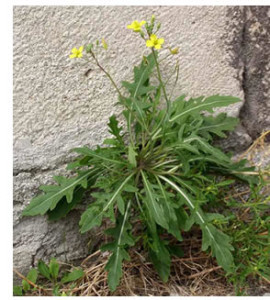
(36, 237)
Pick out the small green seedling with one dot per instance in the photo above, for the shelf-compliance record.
(50, 273)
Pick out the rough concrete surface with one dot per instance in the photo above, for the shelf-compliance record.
(223, 50)
(35, 237)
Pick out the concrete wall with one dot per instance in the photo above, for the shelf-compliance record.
(222, 50)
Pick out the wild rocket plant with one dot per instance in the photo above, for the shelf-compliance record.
(153, 172)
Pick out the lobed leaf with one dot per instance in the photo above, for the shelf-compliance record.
(73, 276)
(217, 125)
(54, 268)
(94, 214)
(219, 242)
(200, 104)
(32, 275)
(44, 269)
(123, 238)
(54, 193)
(140, 86)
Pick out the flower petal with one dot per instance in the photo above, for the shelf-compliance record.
(74, 50)
(142, 23)
(161, 41)
(72, 56)
(149, 43)
(157, 46)
(153, 37)
(81, 49)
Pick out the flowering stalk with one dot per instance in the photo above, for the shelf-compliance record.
(106, 72)
(160, 80)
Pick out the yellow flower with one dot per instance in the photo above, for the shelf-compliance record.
(76, 52)
(136, 26)
(154, 42)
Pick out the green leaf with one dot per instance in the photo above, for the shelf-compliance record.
(217, 125)
(44, 269)
(236, 169)
(225, 182)
(32, 275)
(114, 266)
(56, 290)
(54, 268)
(220, 245)
(112, 142)
(72, 276)
(89, 47)
(141, 116)
(204, 104)
(219, 242)
(132, 156)
(140, 86)
(207, 148)
(122, 240)
(120, 204)
(93, 215)
(63, 208)
(25, 285)
(17, 290)
(155, 209)
(161, 260)
(169, 212)
(95, 154)
(54, 193)
(130, 188)
(114, 129)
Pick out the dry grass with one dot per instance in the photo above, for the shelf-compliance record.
(258, 145)
(195, 274)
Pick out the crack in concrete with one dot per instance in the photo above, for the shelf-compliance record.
(255, 54)
(247, 42)
(243, 58)
(36, 170)
(33, 259)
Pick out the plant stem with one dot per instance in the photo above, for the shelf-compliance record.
(107, 73)
(160, 79)
(116, 87)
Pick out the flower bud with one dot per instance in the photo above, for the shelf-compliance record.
(89, 48)
(142, 34)
(104, 44)
(174, 51)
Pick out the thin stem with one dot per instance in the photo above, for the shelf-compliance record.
(160, 79)
(116, 87)
(107, 74)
